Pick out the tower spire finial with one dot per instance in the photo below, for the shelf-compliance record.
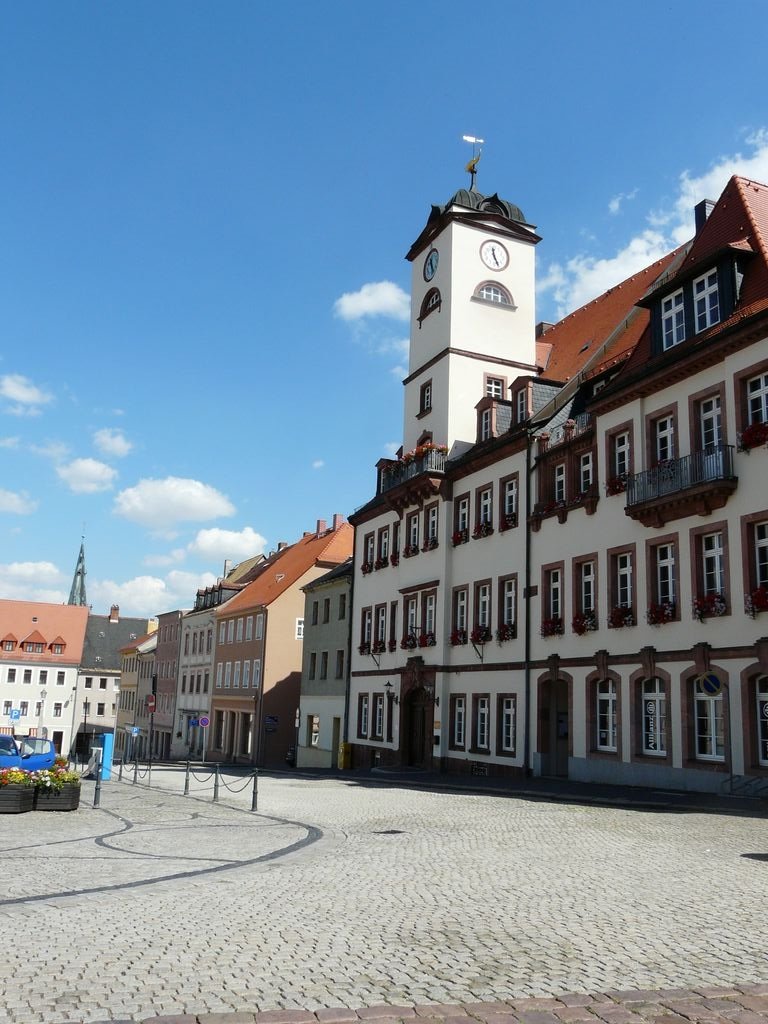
(77, 591)
(471, 167)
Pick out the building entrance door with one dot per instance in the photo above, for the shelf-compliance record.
(554, 728)
(417, 707)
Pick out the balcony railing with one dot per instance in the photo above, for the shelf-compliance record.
(432, 461)
(677, 475)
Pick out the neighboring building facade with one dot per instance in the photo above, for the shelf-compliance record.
(325, 667)
(166, 672)
(259, 635)
(591, 624)
(41, 647)
(143, 742)
(99, 675)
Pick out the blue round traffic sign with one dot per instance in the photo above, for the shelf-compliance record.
(204, 722)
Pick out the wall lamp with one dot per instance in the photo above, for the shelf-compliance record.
(388, 689)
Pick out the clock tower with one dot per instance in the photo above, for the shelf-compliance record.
(472, 314)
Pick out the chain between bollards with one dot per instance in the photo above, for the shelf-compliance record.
(216, 784)
(255, 792)
(186, 780)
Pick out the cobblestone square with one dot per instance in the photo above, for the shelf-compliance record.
(337, 894)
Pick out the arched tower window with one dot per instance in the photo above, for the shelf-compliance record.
(492, 291)
(431, 303)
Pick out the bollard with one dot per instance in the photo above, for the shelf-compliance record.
(120, 772)
(216, 784)
(186, 781)
(97, 791)
(135, 772)
(255, 793)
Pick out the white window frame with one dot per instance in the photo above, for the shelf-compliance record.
(706, 301)
(378, 716)
(757, 399)
(460, 609)
(227, 675)
(256, 673)
(459, 721)
(483, 723)
(486, 420)
(761, 711)
(429, 613)
(664, 431)
(587, 587)
(624, 579)
(621, 453)
(246, 675)
(710, 422)
(761, 554)
(586, 471)
(484, 606)
(219, 674)
(508, 724)
(462, 515)
(299, 629)
(381, 623)
(709, 725)
(510, 498)
(249, 628)
(606, 717)
(239, 630)
(485, 507)
(363, 723)
(259, 626)
(665, 573)
(432, 522)
(713, 563)
(494, 387)
(236, 676)
(654, 717)
(509, 602)
(555, 593)
(673, 319)
(231, 631)
(560, 482)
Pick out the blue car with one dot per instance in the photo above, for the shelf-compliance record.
(28, 752)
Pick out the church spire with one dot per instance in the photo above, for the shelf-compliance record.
(77, 593)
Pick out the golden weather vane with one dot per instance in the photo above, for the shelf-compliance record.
(471, 167)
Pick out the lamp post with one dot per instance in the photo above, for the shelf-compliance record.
(86, 709)
(41, 730)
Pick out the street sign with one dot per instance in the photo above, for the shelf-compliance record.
(194, 721)
(151, 703)
(710, 684)
(204, 722)
(15, 714)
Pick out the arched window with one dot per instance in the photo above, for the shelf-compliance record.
(709, 726)
(761, 693)
(490, 291)
(431, 302)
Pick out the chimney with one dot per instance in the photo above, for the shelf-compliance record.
(282, 545)
(338, 519)
(322, 526)
(227, 567)
(701, 212)
(114, 613)
(542, 327)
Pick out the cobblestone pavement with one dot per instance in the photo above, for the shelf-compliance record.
(337, 894)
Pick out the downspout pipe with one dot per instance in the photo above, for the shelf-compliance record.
(527, 599)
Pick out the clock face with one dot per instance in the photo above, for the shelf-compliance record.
(494, 255)
(430, 264)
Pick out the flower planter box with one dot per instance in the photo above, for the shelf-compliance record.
(65, 799)
(15, 799)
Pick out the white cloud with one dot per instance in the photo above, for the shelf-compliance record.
(112, 442)
(400, 372)
(585, 276)
(87, 476)
(234, 544)
(379, 298)
(149, 595)
(615, 204)
(32, 581)
(391, 448)
(54, 450)
(19, 503)
(9, 442)
(318, 464)
(26, 396)
(159, 504)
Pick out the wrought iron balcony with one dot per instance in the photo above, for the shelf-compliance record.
(430, 461)
(692, 485)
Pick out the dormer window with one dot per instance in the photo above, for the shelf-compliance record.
(486, 424)
(673, 319)
(706, 301)
(431, 302)
(490, 291)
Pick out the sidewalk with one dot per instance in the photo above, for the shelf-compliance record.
(747, 1004)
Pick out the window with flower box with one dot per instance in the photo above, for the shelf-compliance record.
(506, 718)
(382, 551)
(662, 580)
(754, 540)
(552, 600)
(459, 617)
(508, 497)
(428, 606)
(507, 628)
(366, 630)
(431, 521)
(410, 622)
(380, 638)
(621, 587)
(751, 386)
(461, 519)
(368, 553)
(483, 512)
(393, 626)
(618, 459)
(412, 535)
(584, 594)
(710, 570)
(458, 721)
(482, 612)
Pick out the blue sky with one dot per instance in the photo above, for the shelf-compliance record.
(205, 209)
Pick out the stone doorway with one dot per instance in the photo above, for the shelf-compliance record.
(554, 732)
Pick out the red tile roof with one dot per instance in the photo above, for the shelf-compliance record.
(286, 567)
(575, 339)
(44, 623)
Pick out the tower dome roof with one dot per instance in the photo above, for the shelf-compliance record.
(474, 200)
